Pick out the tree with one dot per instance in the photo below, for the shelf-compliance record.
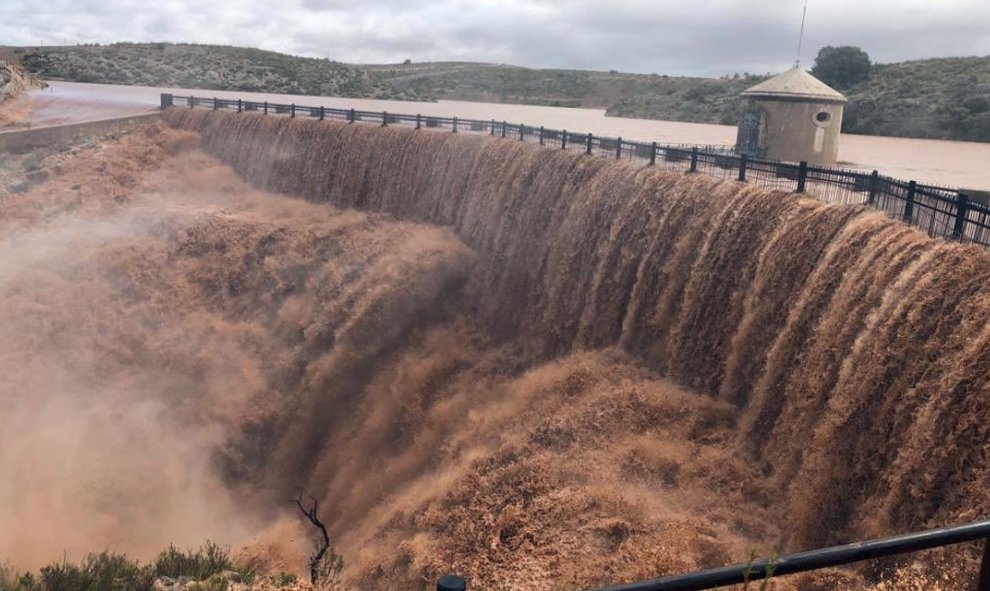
(841, 67)
(325, 564)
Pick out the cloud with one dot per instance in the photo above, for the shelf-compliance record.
(703, 37)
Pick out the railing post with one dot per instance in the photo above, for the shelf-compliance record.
(419, 120)
(240, 105)
(503, 128)
(563, 140)
(451, 583)
(984, 583)
(618, 149)
(802, 176)
(352, 116)
(522, 132)
(588, 148)
(190, 99)
(323, 113)
(266, 107)
(292, 110)
(384, 118)
(962, 208)
(541, 135)
(166, 100)
(653, 154)
(455, 125)
(909, 204)
(874, 187)
(694, 160)
(493, 128)
(215, 106)
(742, 168)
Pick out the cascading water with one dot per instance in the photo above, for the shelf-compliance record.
(854, 347)
(469, 370)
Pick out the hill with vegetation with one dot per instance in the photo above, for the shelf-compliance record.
(640, 95)
(14, 80)
(946, 98)
(205, 66)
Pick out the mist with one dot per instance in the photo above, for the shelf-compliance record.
(524, 365)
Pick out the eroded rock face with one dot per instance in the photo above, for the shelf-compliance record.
(15, 80)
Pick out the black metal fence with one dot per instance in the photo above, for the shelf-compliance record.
(825, 558)
(941, 212)
(767, 568)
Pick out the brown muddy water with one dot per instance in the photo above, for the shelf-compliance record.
(946, 163)
(540, 370)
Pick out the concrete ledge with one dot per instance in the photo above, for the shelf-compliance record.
(25, 139)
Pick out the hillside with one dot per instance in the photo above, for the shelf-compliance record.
(938, 98)
(14, 80)
(668, 97)
(945, 98)
(205, 66)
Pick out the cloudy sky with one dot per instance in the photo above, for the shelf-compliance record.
(701, 37)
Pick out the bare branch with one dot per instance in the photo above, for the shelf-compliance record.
(312, 514)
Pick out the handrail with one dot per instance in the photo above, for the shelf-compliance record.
(941, 212)
(817, 559)
(803, 561)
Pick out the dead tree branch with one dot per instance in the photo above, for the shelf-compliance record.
(312, 514)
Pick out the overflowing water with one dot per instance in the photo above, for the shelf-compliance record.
(939, 162)
(532, 367)
(854, 347)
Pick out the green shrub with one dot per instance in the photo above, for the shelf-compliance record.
(210, 566)
(98, 572)
(213, 584)
(12, 581)
(202, 564)
(284, 579)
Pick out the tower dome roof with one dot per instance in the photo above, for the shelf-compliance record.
(795, 84)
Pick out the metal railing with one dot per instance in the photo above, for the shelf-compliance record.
(941, 212)
(758, 570)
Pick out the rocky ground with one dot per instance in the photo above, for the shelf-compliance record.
(14, 80)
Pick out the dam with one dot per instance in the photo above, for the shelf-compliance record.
(804, 317)
(521, 364)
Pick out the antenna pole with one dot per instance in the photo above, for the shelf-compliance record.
(804, 14)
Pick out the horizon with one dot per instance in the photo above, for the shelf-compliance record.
(706, 39)
(806, 64)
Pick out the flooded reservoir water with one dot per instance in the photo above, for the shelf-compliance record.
(948, 163)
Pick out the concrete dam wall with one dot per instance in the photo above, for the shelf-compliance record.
(853, 350)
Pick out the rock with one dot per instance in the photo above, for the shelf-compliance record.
(14, 80)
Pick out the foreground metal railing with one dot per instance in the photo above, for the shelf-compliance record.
(939, 211)
(758, 570)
